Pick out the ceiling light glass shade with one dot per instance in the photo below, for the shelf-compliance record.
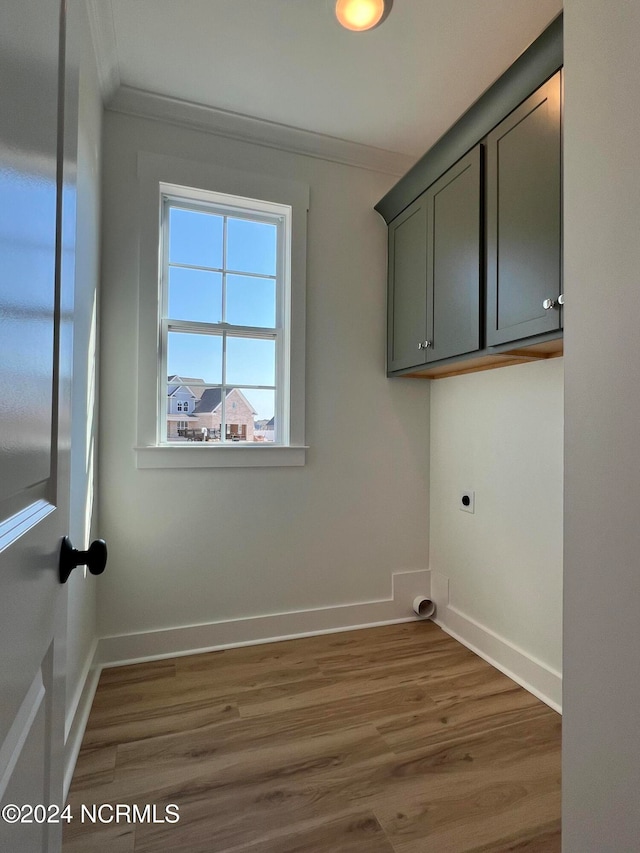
(361, 15)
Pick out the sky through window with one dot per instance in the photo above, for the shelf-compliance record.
(221, 269)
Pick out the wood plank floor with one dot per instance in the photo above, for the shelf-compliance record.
(385, 740)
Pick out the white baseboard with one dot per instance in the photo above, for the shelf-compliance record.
(173, 642)
(532, 674)
(78, 715)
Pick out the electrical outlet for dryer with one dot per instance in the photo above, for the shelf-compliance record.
(467, 501)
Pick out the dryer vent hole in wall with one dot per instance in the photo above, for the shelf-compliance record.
(423, 607)
(467, 501)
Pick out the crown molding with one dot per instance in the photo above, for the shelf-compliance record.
(103, 36)
(137, 102)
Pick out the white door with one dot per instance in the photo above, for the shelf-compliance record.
(37, 224)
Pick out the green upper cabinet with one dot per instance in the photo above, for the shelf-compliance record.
(475, 230)
(434, 270)
(524, 219)
(407, 298)
(454, 259)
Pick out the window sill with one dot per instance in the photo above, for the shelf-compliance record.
(198, 455)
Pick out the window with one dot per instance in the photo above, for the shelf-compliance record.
(211, 327)
(224, 309)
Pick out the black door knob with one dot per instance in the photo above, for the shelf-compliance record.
(95, 558)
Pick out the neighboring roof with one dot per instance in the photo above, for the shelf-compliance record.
(208, 398)
(211, 398)
(192, 384)
(173, 389)
(209, 401)
(184, 380)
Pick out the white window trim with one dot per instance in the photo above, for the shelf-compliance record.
(154, 171)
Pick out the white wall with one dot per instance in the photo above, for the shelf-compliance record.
(601, 772)
(81, 609)
(500, 433)
(196, 546)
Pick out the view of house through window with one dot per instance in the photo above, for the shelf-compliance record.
(223, 319)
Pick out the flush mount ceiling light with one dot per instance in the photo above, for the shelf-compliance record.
(361, 15)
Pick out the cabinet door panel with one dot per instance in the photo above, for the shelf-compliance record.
(407, 305)
(524, 218)
(454, 259)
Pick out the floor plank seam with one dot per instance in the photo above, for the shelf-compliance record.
(339, 750)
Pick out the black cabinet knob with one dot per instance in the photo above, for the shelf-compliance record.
(95, 558)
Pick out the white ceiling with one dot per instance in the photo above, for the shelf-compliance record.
(398, 87)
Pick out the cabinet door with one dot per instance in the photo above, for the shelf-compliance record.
(407, 300)
(454, 259)
(524, 218)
